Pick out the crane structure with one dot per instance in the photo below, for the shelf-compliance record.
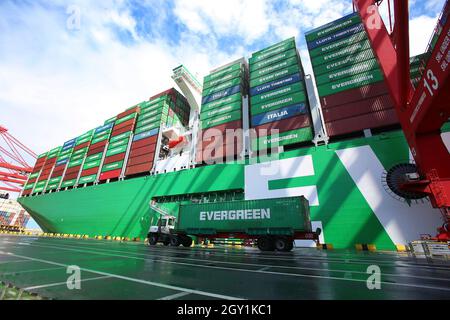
(422, 111)
(14, 168)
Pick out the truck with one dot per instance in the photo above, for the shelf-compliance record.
(273, 223)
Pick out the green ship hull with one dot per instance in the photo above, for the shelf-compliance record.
(343, 182)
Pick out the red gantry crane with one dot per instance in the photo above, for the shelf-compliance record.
(423, 110)
(14, 169)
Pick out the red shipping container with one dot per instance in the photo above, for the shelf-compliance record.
(125, 124)
(294, 123)
(114, 158)
(95, 151)
(353, 95)
(141, 151)
(90, 172)
(32, 180)
(70, 176)
(26, 192)
(359, 123)
(167, 92)
(98, 145)
(128, 112)
(140, 168)
(358, 108)
(144, 142)
(123, 130)
(73, 169)
(146, 158)
(110, 174)
(82, 146)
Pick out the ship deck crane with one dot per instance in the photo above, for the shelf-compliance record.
(192, 90)
(423, 110)
(13, 165)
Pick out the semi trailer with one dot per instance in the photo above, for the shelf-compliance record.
(273, 223)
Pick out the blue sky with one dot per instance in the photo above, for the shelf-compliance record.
(60, 78)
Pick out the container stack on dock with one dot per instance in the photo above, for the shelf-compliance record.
(164, 110)
(349, 80)
(76, 161)
(116, 152)
(28, 188)
(223, 90)
(278, 97)
(60, 165)
(47, 170)
(94, 156)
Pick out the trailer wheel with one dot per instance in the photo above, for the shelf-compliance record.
(187, 242)
(153, 240)
(266, 244)
(174, 241)
(283, 244)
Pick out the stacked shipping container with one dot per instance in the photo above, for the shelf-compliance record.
(116, 152)
(94, 156)
(60, 166)
(350, 83)
(167, 109)
(76, 160)
(223, 92)
(47, 170)
(278, 97)
(28, 188)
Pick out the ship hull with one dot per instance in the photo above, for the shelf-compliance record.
(343, 182)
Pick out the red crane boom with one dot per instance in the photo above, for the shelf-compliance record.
(17, 167)
(421, 111)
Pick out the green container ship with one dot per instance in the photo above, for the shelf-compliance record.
(343, 179)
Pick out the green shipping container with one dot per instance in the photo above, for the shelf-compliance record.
(68, 183)
(268, 216)
(344, 52)
(147, 128)
(264, 97)
(112, 166)
(216, 121)
(272, 50)
(222, 72)
(87, 179)
(118, 143)
(221, 110)
(91, 164)
(222, 86)
(276, 66)
(282, 139)
(339, 44)
(100, 139)
(282, 56)
(94, 157)
(222, 102)
(228, 77)
(278, 103)
(118, 150)
(350, 83)
(293, 69)
(120, 137)
(332, 28)
(330, 66)
(365, 66)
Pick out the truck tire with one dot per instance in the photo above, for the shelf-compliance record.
(152, 239)
(283, 244)
(174, 241)
(266, 244)
(187, 242)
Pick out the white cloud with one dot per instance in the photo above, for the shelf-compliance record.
(421, 28)
(246, 18)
